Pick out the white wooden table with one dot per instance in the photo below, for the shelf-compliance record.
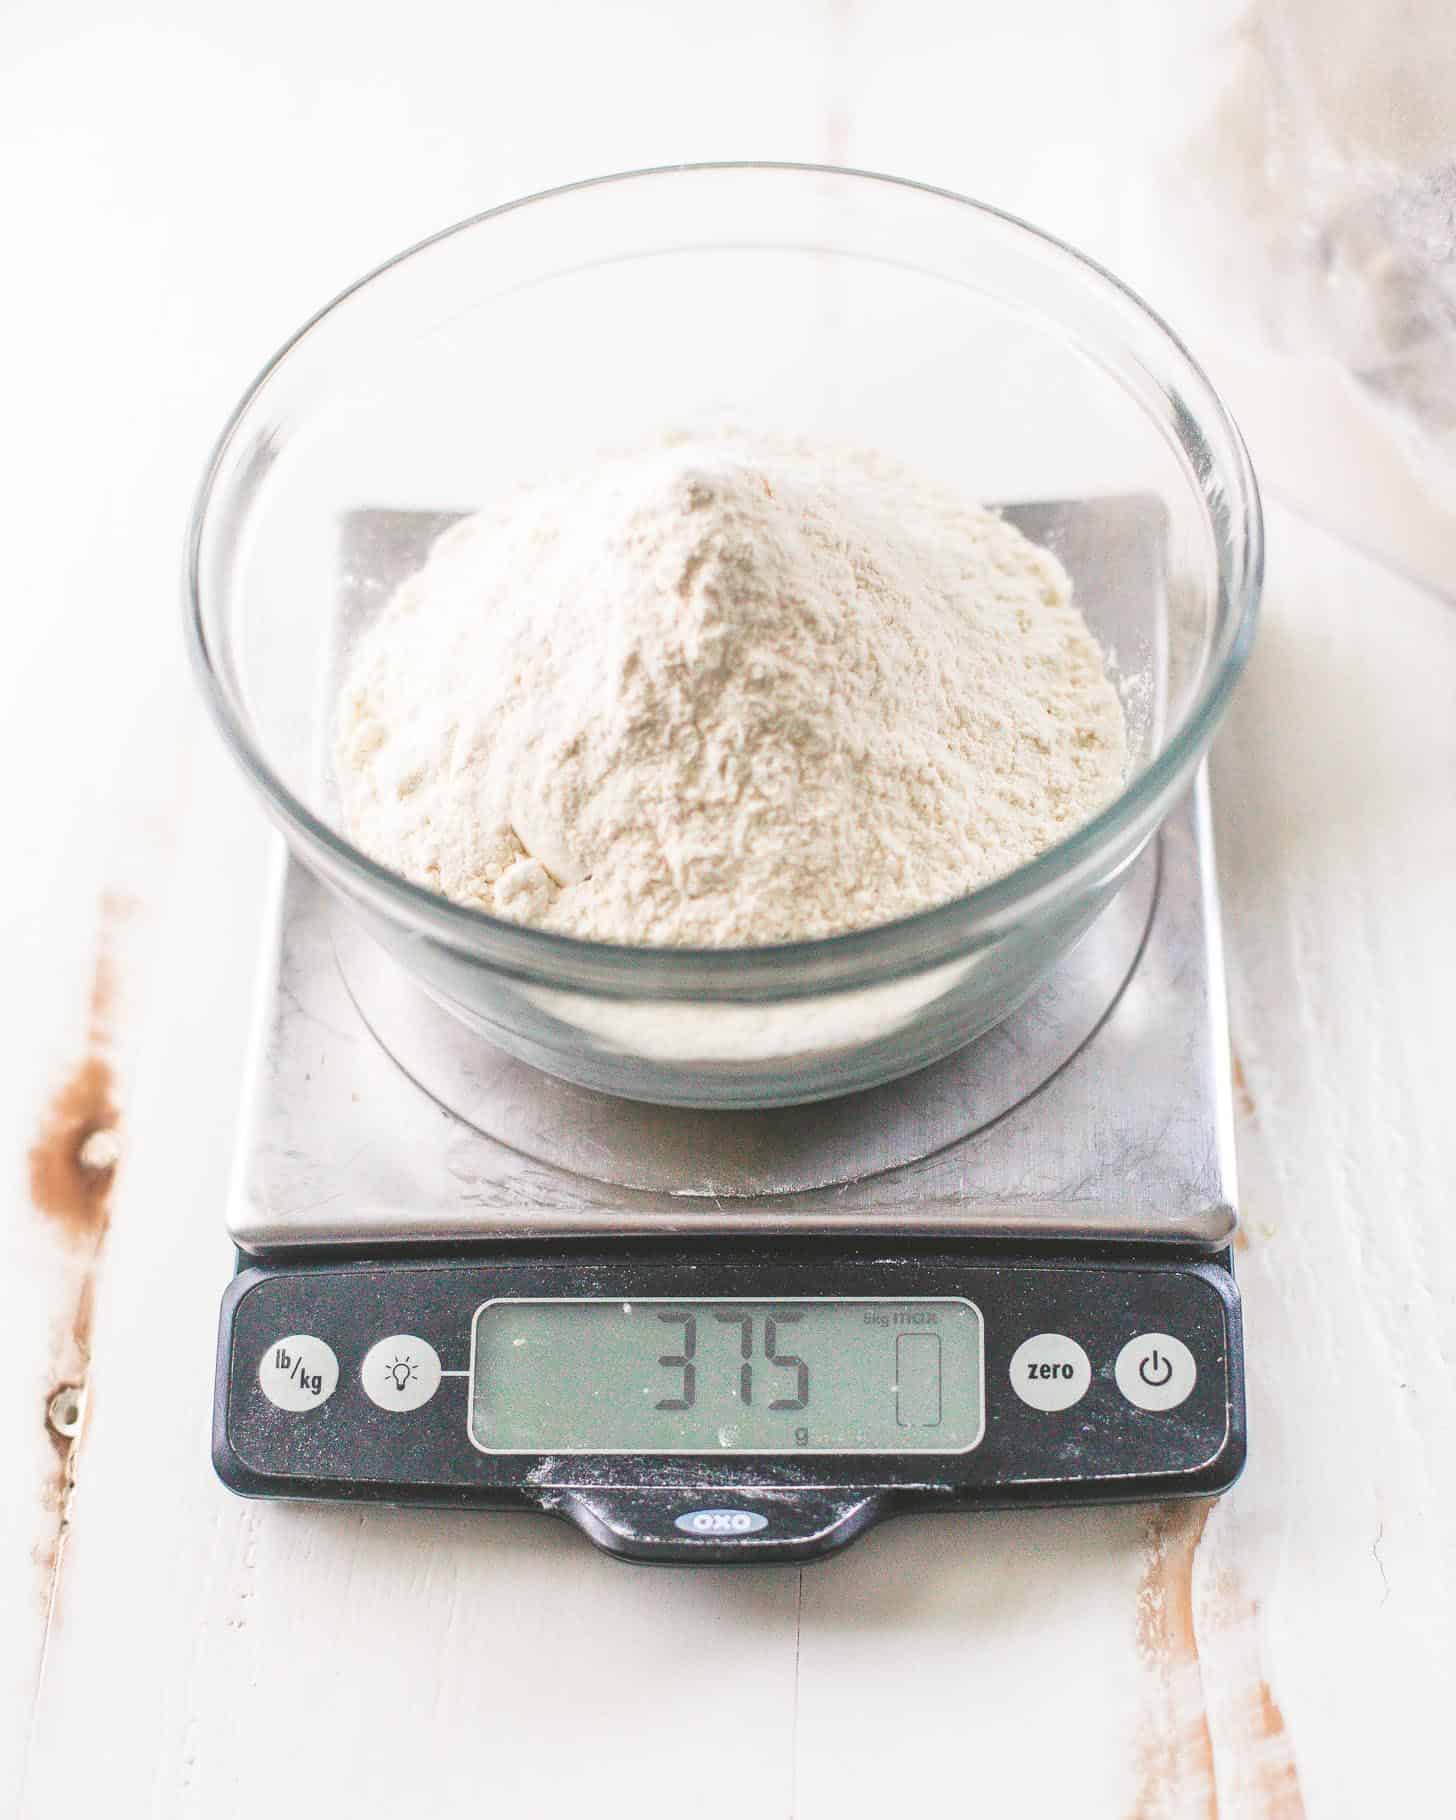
(185, 185)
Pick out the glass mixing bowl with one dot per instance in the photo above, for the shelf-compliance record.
(792, 299)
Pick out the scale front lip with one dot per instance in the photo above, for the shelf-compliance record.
(1209, 1231)
(631, 1505)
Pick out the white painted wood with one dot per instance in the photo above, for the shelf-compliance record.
(190, 191)
(1337, 781)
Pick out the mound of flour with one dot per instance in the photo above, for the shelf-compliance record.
(725, 692)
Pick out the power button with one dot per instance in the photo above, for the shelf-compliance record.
(1156, 1371)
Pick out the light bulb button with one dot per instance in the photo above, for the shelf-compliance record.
(400, 1372)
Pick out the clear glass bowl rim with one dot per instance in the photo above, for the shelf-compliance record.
(855, 958)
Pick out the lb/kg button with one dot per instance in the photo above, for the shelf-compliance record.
(298, 1372)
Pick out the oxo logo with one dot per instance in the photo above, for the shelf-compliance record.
(722, 1522)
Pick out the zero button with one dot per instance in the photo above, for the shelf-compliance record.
(1050, 1372)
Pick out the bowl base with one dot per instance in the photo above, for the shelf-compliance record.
(754, 1153)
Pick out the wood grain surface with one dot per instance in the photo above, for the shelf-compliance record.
(191, 184)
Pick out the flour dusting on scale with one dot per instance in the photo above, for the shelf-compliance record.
(724, 692)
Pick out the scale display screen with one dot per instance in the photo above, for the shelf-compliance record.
(718, 1376)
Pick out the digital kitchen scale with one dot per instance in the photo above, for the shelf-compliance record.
(740, 1336)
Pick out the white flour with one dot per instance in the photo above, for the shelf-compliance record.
(725, 692)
